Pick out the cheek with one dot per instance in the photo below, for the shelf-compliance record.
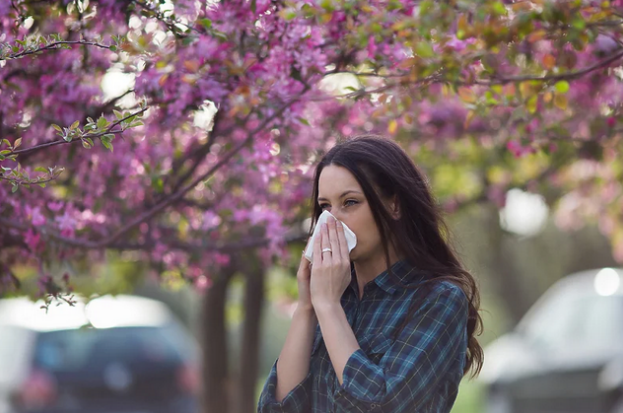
(361, 222)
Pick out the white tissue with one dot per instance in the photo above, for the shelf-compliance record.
(351, 238)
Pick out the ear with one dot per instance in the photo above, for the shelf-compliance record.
(395, 208)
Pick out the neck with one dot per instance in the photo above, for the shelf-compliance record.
(368, 269)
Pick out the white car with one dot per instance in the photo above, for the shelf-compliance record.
(566, 353)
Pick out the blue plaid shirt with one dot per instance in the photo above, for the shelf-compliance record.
(417, 369)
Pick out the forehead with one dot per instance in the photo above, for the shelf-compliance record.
(334, 180)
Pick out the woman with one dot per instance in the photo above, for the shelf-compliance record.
(391, 326)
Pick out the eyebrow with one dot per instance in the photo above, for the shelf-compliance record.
(344, 193)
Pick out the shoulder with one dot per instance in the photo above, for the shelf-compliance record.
(446, 293)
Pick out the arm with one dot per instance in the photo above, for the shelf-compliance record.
(337, 334)
(412, 367)
(293, 362)
(292, 391)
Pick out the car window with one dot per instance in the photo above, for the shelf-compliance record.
(553, 320)
(571, 319)
(89, 348)
(603, 321)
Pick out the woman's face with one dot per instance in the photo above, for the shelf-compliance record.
(340, 194)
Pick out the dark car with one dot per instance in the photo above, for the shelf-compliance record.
(122, 354)
(566, 354)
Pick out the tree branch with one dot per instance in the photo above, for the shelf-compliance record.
(562, 76)
(53, 45)
(91, 136)
(172, 243)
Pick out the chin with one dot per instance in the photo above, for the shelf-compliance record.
(354, 254)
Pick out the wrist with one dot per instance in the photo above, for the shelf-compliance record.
(326, 306)
(305, 310)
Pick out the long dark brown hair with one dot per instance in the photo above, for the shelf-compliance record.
(384, 170)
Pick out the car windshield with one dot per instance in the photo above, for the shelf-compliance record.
(93, 349)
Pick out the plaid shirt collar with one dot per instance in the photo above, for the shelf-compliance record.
(401, 269)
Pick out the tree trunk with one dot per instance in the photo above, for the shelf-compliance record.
(249, 349)
(216, 389)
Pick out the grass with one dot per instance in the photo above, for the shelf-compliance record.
(470, 398)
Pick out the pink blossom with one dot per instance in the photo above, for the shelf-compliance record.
(55, 206)
(36, 217)
(33, 240)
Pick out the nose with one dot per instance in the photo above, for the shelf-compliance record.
(337, 216)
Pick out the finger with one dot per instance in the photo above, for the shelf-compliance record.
(334, 240)
(317, 256)
(304, 261)
(326, 243)
(345, 254)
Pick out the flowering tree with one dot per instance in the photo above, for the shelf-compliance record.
(275, 82)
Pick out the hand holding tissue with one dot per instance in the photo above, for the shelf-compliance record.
(351, 238)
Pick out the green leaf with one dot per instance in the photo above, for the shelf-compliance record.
(206, 23)
(499, 9)
(531, 105)
(5, 152)
(424, 49)
(58, 128)
(102, 122)
(562, 86)
(578, 23)
(42, 185)
(220, 35)
(118, 114)
(107, 145)
(15, 188)
(74, 125)
(108, 137)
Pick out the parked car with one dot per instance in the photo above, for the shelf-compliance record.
(122, 354)
(566, 353)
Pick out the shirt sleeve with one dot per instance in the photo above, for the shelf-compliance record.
(406, 376)
(298, 400)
